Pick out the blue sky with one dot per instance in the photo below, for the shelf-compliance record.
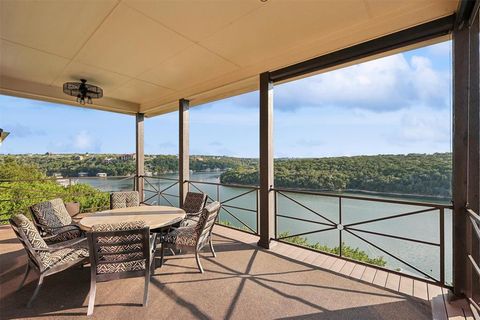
(394, 105)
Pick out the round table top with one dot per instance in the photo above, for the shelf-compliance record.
(154, 216)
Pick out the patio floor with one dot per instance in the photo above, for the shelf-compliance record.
(243, 282)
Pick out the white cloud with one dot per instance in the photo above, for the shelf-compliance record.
(389, 83)
(83, 141)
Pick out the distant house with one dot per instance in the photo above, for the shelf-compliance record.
(126, 157)
(83, 174)
(148, 174)
(107, 160)
(78, 158)
(57, 175)
(101, 175)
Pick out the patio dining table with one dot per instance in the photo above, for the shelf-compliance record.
(154, 216)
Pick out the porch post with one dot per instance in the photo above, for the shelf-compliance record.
(473, 197)
(184, 148)
(267, 219)
(465, 151)
(140, 156)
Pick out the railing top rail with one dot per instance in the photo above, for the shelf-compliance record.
(244, 186)
(160, 177)
(404, 202)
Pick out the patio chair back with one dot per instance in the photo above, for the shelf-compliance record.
(52, 214)
(121, 250)
(194, 203)
(206, 222)
(124, 199)
(29, 237)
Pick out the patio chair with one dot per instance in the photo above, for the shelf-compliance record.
(53, 221)
(117, 251)
(43, 258)
(124, 199)
(196, 236)
(193, 206)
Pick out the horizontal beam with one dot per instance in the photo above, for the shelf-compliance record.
(420, 33)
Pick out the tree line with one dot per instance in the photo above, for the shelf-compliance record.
(419, 174)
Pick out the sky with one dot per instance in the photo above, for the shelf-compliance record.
(394, 105)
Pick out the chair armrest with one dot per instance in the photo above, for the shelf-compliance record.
(193, 214)
(69, 228)
(66, 246)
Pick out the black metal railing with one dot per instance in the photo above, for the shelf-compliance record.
(161, 191)
(329, 224)
(239, 203)
(474, 293)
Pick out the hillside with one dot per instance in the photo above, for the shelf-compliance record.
(419, 174)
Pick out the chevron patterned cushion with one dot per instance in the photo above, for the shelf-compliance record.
(124, 199)
(194, 203)
(61, 234)
(52, 213)
(32, 234)
(126, 251)
(61, 256)
(183, 236)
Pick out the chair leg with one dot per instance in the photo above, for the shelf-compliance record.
(197, 257)
(145, 290)
(91, 295)
(162, 249)
(27, 271)
(211, 248)
(37, 289)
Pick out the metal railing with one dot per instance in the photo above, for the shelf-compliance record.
(332, 218)
(232, 214)
(161, 190)
(474, 219)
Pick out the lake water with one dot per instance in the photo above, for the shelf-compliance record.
(423, 226)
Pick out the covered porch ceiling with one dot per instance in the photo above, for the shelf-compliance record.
(147, 55)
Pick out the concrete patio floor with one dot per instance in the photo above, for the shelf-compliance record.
(243, 282)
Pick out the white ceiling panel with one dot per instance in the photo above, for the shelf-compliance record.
(29, 64)
(282, 26)
(191, 66)
(148, 54)
(195, 19)
(140, 91)
(130, 43)
(59, 27)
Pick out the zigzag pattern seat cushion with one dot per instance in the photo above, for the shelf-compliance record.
(131, 247)
(124, 199)
(183, 236)
(48, 258)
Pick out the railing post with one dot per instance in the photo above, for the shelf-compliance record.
(465, 147)
(266, 161)
(140, 155)
(184, 148)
